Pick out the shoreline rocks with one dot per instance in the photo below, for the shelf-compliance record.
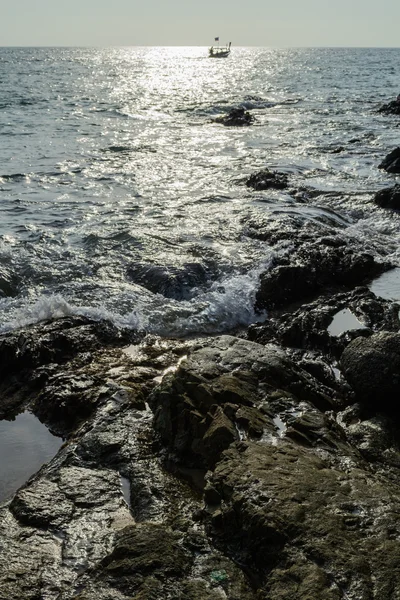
(299, 491)
(388, 197)
(391, 163)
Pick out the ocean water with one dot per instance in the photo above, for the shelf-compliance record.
(121, 198)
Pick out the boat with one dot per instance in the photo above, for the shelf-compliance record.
(219, 51)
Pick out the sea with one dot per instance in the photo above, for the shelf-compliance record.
(122, 198)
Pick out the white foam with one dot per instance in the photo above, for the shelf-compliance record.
(225, 305)
(55, 307)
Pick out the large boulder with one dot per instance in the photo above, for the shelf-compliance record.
(372, 367)
(391, 163)
(170, 280)
(388, 197)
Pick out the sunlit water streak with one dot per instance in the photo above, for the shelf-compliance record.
(109, 158)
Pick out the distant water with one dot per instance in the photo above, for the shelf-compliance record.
(112, 174)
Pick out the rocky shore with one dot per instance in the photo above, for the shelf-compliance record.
(258, 465)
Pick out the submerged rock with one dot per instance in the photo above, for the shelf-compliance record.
(237, 117)
(388, 197)
(391, 108)
(266, 179)
(169, 280)
(391, 163)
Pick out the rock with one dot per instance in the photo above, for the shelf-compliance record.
(218, 390)
(30, 360)
(391, 163)
(171, 281)
(304, 527)
(372, 367)
(237, 117)
(338, 149)
(307, 327)
(41, 504)
(266, 179)
(314, 266)
(388, 197)
(391, 108)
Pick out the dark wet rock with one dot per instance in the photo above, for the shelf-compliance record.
(314, 266)
(171, 281)
(391, 164)
(307, 326)
(266, 179)
(391, 108)
(154, 561)
(200, 409)
(8, 282)
(388, 197)
(31, 356)
(305, 527)
(41, 505)
(372, 367)
(57, 341)
(338, 150)
(141, 549)
(237, 117)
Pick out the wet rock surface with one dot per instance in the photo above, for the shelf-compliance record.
(237, 117)
(391, 108)
(325, 261)
(266, 179)
(388, 197)
(171, 281)
(258, 465)
(391, 163)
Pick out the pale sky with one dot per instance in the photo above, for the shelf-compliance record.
(195, 23)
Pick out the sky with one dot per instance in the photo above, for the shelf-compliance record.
(274, 23)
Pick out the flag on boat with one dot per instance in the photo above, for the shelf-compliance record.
(216, 39)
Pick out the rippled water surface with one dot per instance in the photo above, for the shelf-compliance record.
(112, 172)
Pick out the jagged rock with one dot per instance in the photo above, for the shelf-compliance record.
(30, 358)
(307, 327)
(391, 108)
(388, 197)
(372, 367)
(391, 163)
(218, 390)
(266, 179)
(237, 117)
(314, 266)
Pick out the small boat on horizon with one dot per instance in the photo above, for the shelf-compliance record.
(219, 51)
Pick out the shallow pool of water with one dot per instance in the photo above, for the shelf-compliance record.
(387, 286)
(343, 321)
(25, 445)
